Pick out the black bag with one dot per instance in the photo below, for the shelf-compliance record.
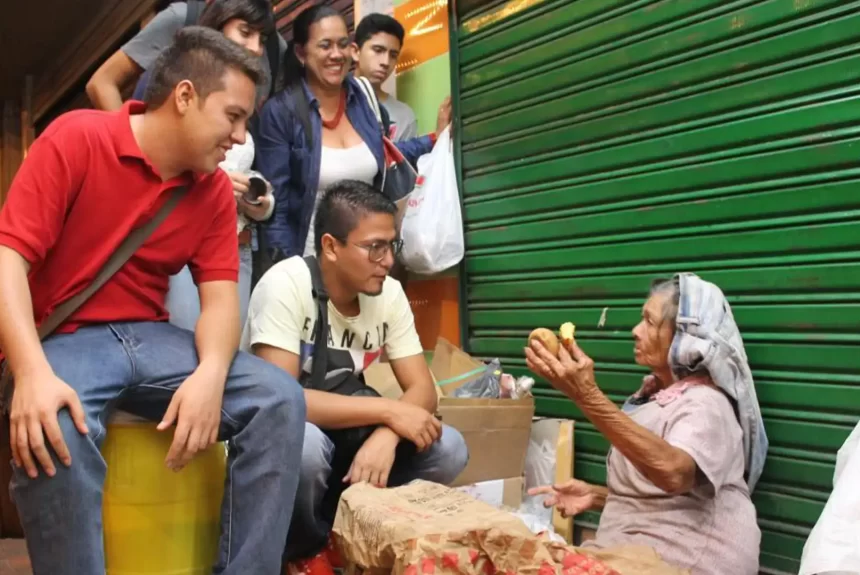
(348, 441)
(346, 383)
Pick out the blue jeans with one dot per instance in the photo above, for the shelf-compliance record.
(183, 300)
(309, 531)
(140, 365)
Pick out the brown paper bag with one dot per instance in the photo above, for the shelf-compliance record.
(425, 527)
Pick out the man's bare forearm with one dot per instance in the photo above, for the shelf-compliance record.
(422, 396)
(18, 337)
(414, 377)
(104, 96)
(335, 411)
(217, 331)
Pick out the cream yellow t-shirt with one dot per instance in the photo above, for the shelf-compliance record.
(282, 313)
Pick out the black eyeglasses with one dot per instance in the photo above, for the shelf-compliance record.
(376, 251)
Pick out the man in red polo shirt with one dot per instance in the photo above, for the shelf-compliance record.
(88, 180)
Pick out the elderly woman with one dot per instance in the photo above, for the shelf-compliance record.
(687, 448)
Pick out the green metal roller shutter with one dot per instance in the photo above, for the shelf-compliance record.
(607, 142)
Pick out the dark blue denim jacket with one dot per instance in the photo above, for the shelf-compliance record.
(282, 156)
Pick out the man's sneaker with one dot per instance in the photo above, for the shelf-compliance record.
(316, 565)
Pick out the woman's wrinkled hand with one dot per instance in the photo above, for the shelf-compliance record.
(572, 372)
(571, 497)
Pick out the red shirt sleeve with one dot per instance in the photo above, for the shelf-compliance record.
(217, 255)
(41, 195)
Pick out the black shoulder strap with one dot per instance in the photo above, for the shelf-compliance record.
(320, 362)
(195, 8)
(117, 259)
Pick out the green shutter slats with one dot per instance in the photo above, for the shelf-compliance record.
(606, 143)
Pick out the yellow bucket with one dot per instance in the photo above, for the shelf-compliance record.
(157, 520)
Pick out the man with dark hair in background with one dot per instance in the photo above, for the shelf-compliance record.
(368, 315)
(88, 181)
(377, 46)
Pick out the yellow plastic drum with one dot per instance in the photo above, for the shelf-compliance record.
(157, 520)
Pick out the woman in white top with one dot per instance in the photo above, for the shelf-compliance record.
(319, 129)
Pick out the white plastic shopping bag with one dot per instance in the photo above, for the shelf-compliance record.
(833, 547)
(432, 226)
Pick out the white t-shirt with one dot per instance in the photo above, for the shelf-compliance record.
(282, 314)
(239, 158)
(336, 164)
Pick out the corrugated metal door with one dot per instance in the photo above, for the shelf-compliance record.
(607, 142)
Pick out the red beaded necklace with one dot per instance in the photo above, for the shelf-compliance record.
(341, 108)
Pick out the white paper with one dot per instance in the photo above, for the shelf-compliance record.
(833, 547)
(490, 492)
(537, 517)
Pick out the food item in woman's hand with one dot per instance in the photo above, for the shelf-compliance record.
(566, 332)
(547, 338)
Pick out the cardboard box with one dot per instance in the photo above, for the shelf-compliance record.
(496, 430)
(498, 492)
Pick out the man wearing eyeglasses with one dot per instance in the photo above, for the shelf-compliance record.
(368, 315)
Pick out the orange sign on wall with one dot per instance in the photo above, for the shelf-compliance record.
(426, 25)
(435, 305)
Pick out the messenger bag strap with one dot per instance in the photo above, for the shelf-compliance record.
(118, 258)
(319, 367)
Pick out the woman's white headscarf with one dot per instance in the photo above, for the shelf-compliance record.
(707, 337)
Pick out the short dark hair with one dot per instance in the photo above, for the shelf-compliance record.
(376, 23)
(257, 13)
(343, 205)
(201, 55)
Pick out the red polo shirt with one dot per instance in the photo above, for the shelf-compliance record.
(84, 186)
